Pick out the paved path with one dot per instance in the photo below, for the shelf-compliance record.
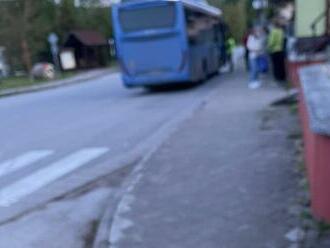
(224, 180)
(57, 140)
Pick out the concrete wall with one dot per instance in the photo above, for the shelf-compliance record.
(306, 12)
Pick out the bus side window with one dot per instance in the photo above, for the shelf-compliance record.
(216, 33)
(200, 28)
(191, 28)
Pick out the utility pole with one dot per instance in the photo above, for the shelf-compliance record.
(53, 39)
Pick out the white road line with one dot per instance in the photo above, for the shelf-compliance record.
(16, 191)
(22, 161)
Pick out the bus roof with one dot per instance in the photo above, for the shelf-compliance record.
(201, 6)
(196, 5)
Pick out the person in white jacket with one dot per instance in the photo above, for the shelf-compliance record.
(256, 46)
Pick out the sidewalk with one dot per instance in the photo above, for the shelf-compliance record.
(225, 179)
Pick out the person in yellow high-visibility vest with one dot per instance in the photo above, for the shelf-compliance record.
(275, 45)
(230, 46)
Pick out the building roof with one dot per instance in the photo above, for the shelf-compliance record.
(203, 6)
(89, 37)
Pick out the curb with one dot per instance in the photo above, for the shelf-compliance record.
(82, 77)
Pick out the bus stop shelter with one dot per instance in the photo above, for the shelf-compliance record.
(90, 48)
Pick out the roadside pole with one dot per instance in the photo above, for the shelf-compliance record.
(112, 49)
(53, 41)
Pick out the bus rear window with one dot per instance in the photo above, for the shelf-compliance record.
(154, 17)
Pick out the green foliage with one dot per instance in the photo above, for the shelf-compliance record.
(26, 24)
(94, 18)
(23, 81)
(235, 14)
(323, 227)
(65, 16)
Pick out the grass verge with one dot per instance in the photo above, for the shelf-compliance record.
(24, 81)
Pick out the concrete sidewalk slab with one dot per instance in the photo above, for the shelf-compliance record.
(225, 179)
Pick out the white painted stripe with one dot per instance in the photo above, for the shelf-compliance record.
(22, 161)
(16, 191)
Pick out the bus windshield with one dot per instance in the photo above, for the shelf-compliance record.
(147, 18)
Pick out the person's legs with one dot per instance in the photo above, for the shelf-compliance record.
(254, 73)
(278, 61)
(277, 67)
(253, 69)
(247, 61)
(281, 65)
(230, 62)
(274, 64)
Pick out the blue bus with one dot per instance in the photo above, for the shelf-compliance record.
(167, 41)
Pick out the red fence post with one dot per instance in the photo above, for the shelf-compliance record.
(317, 158)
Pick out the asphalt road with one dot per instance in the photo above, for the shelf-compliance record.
(58, 140)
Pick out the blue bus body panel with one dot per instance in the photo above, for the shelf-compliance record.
(153, 57)
(151, 52)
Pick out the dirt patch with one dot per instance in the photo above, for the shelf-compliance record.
(90, 234)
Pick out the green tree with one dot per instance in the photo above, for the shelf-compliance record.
(235, 15)
(65, 16)
(94, 18)
(26, 24)
(23, 27)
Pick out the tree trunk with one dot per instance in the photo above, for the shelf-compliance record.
(26, 55)
(26, 52)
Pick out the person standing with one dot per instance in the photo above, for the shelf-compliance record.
(256, 47)
(230, 46)
(275, 47)
(246, 54)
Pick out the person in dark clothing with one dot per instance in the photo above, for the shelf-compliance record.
(278, 61)
(246, 55)
(275, 46)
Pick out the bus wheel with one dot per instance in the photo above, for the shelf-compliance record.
(151, 87)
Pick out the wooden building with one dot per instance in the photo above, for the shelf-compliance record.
(90, 48)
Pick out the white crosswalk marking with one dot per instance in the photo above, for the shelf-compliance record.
(16, 191)
(22, 161)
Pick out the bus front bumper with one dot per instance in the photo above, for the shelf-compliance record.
(166, 79)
